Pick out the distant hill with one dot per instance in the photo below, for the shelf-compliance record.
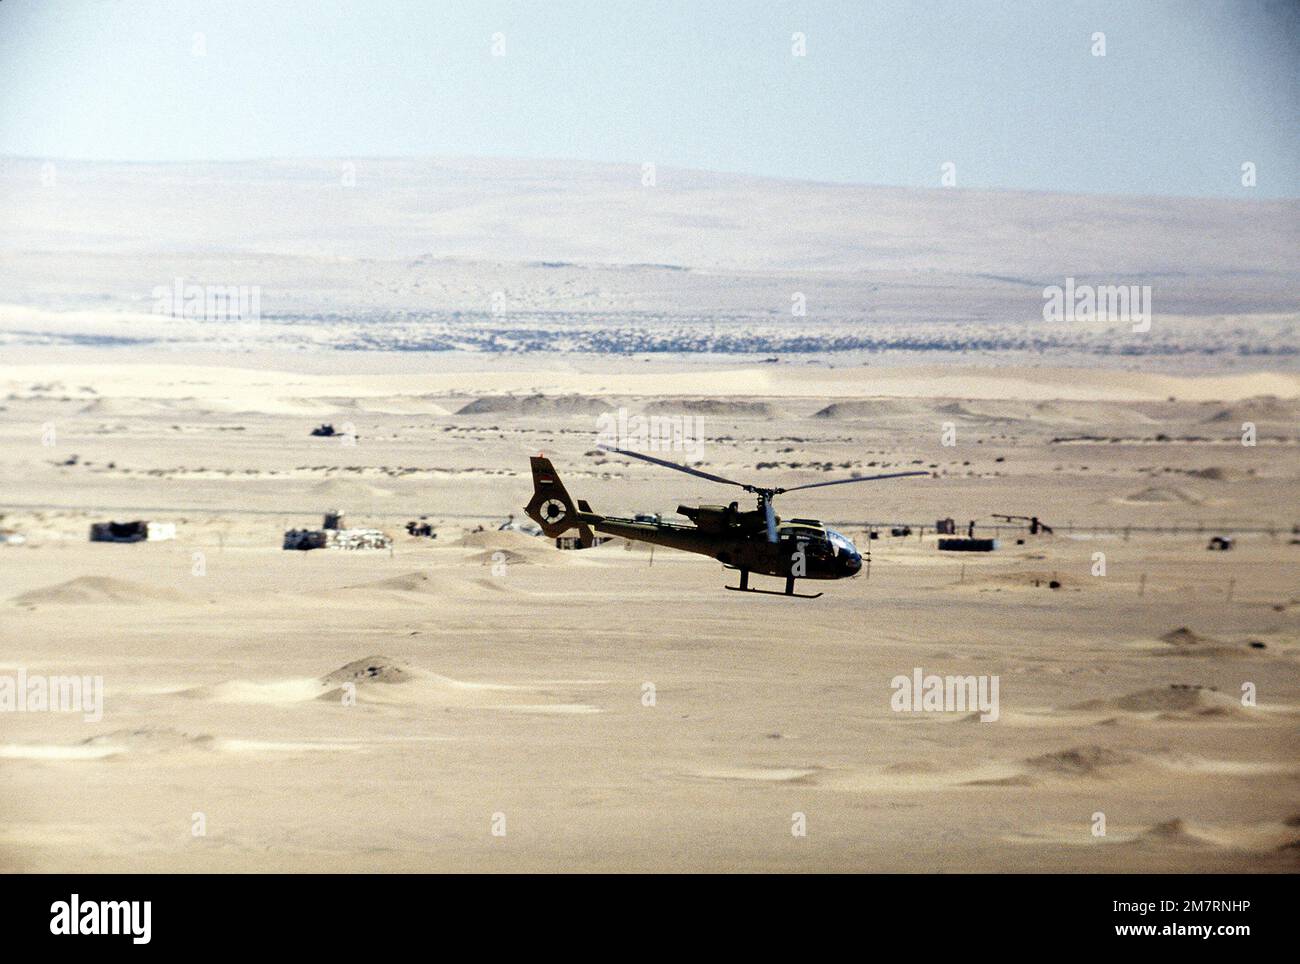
(561, 214)
(517, 255)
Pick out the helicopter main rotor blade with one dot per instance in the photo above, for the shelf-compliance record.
(861, 478)
(673, 465)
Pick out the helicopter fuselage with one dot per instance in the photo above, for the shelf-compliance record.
(804, 548)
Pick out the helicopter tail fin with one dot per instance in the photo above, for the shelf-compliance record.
(551, 507)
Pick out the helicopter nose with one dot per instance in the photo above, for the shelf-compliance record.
(852, 563)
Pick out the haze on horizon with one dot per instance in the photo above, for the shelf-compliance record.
(1014, 96)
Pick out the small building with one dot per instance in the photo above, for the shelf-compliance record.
(512, 525)
(358, 539)
(334, 535)
(575, 542)
(138, 531)
(305, 539)
(946, 527)
(968, 545)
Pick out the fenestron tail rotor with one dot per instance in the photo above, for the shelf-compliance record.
(764, 493)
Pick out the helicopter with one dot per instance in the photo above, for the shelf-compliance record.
(750, 541)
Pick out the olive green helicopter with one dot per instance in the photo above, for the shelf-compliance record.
(750, 541)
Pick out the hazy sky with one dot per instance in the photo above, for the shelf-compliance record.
(1008, 91)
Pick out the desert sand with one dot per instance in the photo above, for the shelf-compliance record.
(486, 701)
(502, 684)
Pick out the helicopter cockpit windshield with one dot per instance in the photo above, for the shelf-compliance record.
(841, 543)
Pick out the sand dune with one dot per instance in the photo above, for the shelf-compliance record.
(1182, 636)
(993, 412)
(1081, 761)
(371, 669)
(1163, 494)
(507, 557)
(541, 556)
(715, 407)
(556, 405)
(451, 585)
(1259, 408)
(1217, 473)
(257, 693)
(759, 774)
(383, 681)
(420, 688)
(128, 407)
(93, 590)
(871, 408)
(1177, 701)
(245, 746)
(1176, 832)
(519, 548)
(1185, 642)
(1259, 838)
(342, 492)
(123, 746)
(923, 778)
(986, 413)
(150, 740)
(401, 405)
(1195, 764)
(1096, 762)
(506, 539)
(259, 403)
(54, 753)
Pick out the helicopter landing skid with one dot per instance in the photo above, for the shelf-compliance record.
(773, 592)
(789, 588)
